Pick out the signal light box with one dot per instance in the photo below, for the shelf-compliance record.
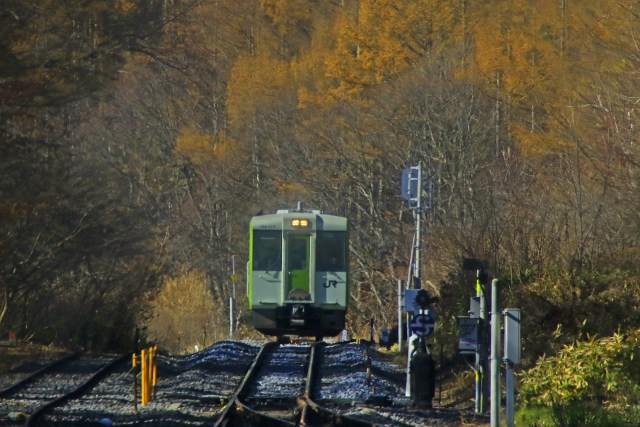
(512, 335)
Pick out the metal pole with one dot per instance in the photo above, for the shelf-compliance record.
(495, 355)
(232, 299)
(400, 316)
(417, 275)
(230, 318)
(481, 353)
(478, 366)
(409, 284)
(511, 403)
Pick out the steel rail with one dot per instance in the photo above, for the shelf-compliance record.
(251, 414)
(33, 418)
(312, 412)
(38, 373)
(234, 405)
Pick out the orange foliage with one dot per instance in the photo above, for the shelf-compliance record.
(197, 147)
(543, 57)
(520, 56)
(125, 5)
(223, 146)
(539, 143)
(255, 82)
(310, 68)
(292, 188)
(201, 148)
(286, 14)
(383, 38)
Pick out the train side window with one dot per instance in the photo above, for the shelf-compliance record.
(267, 250)
(331, 251)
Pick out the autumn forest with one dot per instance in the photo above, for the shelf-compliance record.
(137, 138)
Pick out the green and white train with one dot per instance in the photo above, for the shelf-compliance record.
(298, 273)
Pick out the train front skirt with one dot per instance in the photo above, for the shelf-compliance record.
(298, 319)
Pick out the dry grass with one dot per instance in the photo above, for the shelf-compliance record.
(13, 356)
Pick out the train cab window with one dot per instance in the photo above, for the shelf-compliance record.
(331, 251)
(298, 253)
(267, 250)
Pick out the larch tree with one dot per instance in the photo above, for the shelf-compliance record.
(377, 40)
(519, 59)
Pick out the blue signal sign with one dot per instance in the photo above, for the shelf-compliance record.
(409, 188)
(422, 325)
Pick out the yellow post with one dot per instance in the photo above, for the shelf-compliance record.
(134, 364)
(155, 370)
(149, 373)
(143, 377)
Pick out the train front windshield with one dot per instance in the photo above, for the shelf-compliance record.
(331, 251)
(267, 250)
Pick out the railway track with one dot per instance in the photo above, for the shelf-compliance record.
(280, 390)
(278, 384)
(313, 413)
(229, 384)
(51, 385)
(251, 405)
(192, 391)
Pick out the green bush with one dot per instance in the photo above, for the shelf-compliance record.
(578, 415)
(535, 416)
(589, 383)
(601, 371)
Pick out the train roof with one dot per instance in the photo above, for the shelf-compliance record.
(279, 220)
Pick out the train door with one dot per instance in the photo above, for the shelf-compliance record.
(298, 267)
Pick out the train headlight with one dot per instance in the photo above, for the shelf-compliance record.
(299, 223)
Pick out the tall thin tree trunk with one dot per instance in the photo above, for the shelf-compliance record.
(497, 112)
(5, 306)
